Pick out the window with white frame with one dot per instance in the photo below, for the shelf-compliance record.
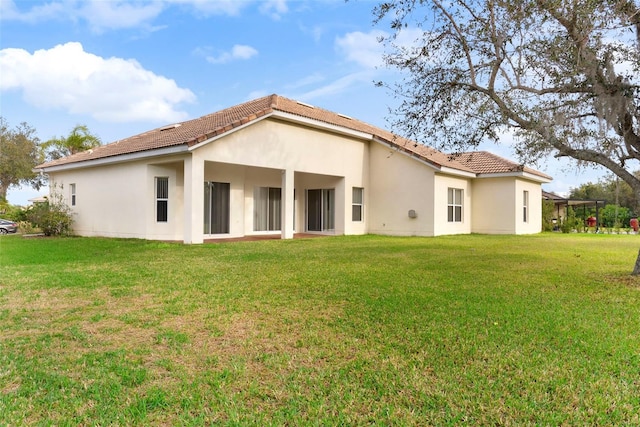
(162, 199)
(454, 205)
(72, 191)
(357, 204)
(525, 206)
(267, 204)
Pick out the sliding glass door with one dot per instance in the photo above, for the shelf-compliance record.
(321, 209)
(267, 205)
(216, 207)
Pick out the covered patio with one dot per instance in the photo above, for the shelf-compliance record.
(562, 204)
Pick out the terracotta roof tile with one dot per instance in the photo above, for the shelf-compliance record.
(192, 132)
(484, 162)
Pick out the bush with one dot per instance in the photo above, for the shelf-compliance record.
(570, 223)
(26, 227)
(12, 212)
(613, 216)
(548, 212)
(53, 217)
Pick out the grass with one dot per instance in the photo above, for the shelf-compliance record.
(473, 329)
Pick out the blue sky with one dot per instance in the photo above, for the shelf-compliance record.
(124, 67)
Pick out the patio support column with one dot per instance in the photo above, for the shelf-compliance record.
(193, 199)
(287, 203)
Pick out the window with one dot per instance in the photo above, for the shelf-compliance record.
(454, 205)
(162, 199)
(525, 206)
(357, 204)
(267, 209)
(72, 188)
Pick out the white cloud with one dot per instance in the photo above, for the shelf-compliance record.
(306, 81)
(213, 7)
(103, 15)
(99, 15)
(10, 12)
(338, 86)
(112, 89)
(274, 8)
(362, 48)
(316, 31)
(238, 52)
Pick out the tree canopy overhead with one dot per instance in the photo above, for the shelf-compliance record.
(563, 76)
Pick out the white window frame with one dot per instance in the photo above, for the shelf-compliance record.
(357, 204)
(525, 206)
(162, 197)
(455, 204)
(72, 192)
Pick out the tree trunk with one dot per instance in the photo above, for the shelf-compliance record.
(636, 268)
(3, 192)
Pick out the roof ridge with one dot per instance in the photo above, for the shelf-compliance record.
(198, 130)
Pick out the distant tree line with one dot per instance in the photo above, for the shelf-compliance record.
(621, 201)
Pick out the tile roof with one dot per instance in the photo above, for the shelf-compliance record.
(483, 162)
(192, 132)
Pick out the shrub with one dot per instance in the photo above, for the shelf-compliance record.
(12, 212)
(26, 227)
(570, 223)
(614, 216)
(53, 217)
(548, 213)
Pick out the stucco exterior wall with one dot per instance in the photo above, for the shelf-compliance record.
(399, 184)
(534, 221)
(119, 200)
(282, 145)
(441, 197)
(498, 204)
(318, 159)
(494, 206)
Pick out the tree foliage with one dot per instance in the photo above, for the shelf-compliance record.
(562, 76)
(548, 214)
(612, 190)
(54, 217)
(614, 216)
(78, 140)
(20, 152)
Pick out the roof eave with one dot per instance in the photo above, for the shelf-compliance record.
(458, 172)
(176, 149)
(519, 174)
(433, 165)
(294, 118)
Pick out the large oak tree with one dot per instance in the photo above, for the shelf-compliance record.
(562, 76)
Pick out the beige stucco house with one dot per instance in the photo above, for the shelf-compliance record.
(277, 166)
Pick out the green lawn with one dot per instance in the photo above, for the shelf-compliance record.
(329, 331)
